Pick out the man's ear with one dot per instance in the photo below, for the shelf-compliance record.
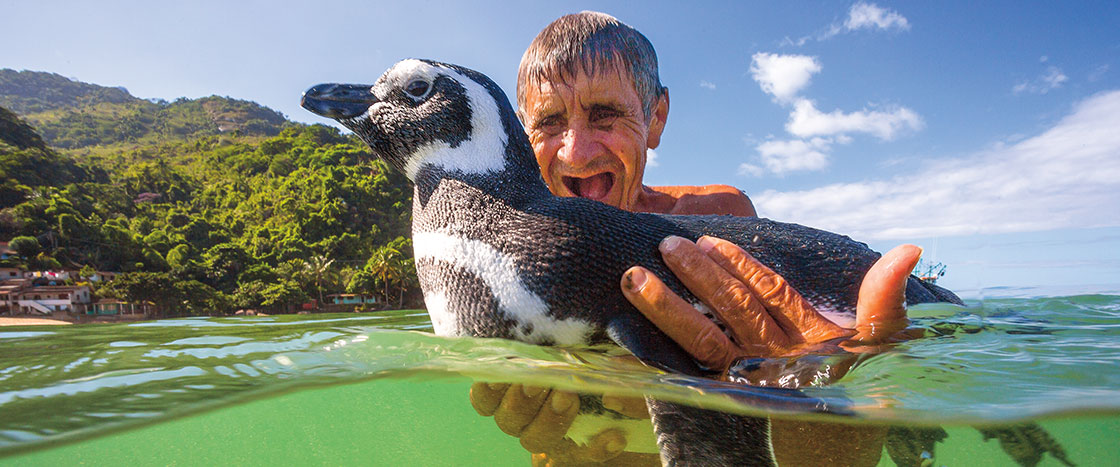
(657, 120)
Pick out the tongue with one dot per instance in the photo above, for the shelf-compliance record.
(595, 187)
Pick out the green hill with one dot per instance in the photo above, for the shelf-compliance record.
(206, 205)
(27, 163)
(71, 114)
(18, 134)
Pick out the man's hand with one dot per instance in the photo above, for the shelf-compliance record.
(541, 417)
(765, 316)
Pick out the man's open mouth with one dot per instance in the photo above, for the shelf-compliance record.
(596, 187)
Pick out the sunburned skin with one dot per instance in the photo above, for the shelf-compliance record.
(699, 200)
(590, 135)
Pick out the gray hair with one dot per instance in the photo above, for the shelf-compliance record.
(591, 41)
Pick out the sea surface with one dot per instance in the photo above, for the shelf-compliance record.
(380, 389)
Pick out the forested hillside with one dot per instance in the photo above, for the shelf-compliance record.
(70, 114)
(208, 205)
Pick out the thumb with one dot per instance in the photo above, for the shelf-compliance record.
(881, 309)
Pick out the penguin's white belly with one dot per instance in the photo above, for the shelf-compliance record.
(499, 272)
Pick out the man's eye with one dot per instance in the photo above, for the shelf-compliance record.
(603, 116)
(551, 124)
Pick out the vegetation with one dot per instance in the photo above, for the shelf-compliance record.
(70, 114)
(206, 205)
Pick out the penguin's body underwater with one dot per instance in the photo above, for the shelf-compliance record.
(498, 255)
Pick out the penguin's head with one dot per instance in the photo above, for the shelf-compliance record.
(422, 113)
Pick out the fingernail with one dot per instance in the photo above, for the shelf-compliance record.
(636, 279)
(531, 391)
(670, 243)
(706, 244)
(561, 402)
(496, 386)
(615, 445)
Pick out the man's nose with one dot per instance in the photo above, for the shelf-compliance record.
(578, 149)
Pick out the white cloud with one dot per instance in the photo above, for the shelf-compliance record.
(1052, 79)
(806, 121)
(708, 85)
(871, 16)
(780, 157)
(1065, 177)
(783, 76)
(651, 158)
(864, 16)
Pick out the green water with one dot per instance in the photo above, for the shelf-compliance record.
(378, 389)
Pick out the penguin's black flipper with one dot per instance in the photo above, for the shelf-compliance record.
(636, 334)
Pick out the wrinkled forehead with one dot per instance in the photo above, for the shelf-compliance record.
(404, 72)
(547, 80)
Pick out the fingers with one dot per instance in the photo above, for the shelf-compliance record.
(881, 309)
(690, 329)
(604, 446)
(785, 305)
(485, 397)
(551, 424)
(519, 406)
(633, 407)
(729, 297)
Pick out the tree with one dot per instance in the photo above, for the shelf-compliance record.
(318, 267)
(26, 247)
(140, 287)
(283, 293)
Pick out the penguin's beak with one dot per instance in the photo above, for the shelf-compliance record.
(337, 101)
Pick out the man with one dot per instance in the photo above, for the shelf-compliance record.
(590, 98)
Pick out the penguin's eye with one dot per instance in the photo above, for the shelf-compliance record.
(417, 89)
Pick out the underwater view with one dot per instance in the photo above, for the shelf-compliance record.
(380, 389)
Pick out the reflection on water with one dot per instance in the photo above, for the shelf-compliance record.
(356, 388)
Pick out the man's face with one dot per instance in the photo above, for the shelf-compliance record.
(590, 135)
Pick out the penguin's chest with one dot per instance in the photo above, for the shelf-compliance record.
(473, 287)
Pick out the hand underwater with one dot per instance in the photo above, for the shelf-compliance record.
(540, 418)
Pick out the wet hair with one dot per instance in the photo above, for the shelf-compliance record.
(594, 42)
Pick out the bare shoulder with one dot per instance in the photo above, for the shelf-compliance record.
(702, 199)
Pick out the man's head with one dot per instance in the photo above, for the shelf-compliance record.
(589, 95)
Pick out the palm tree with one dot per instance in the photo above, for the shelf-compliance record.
(380, 265)
(405, 274)
(318, 266)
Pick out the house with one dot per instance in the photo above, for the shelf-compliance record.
(350, 299)
(10, 273)
(6, 251)
(9, 289)
(48, 299)
(103, 276)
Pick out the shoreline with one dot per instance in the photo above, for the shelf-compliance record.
(13, 321)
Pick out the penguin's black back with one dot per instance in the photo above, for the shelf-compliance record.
(572, 253)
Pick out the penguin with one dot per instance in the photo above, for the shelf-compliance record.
(498, 255)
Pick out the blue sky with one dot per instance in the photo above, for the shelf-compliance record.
(986, 132)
